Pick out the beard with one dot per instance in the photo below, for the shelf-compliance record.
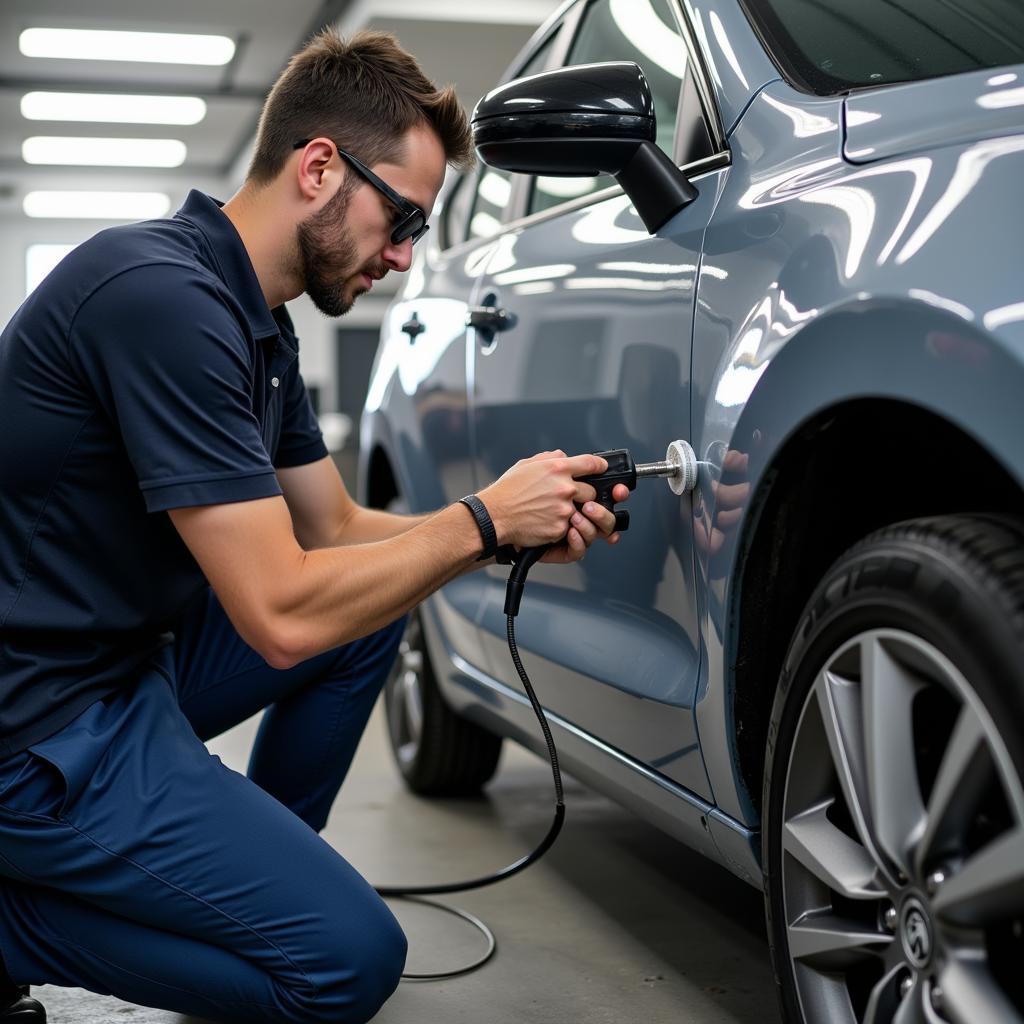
(328, 253)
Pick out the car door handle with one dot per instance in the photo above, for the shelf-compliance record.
(413, 327)
(490, 319)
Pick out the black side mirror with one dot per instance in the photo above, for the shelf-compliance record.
(582, 121)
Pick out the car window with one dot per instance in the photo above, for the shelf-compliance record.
(823, 47)
(456, 210)
(644, 31)
(489, 200)
(493, 192)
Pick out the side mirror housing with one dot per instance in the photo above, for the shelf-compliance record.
(581, 121)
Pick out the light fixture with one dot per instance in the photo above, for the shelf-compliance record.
(112, 108)
(72, 150)
(97, 205)
(154, 47)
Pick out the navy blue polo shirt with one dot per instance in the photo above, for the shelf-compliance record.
(145, 373)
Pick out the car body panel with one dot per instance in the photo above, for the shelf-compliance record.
(823, 283)
(600, 358)
(819, 282)
(416, 411)
(905, 118)
(494, 705)
(736, 62)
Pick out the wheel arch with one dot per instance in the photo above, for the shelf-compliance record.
(878, 412)
(780, 568)
(378, 484)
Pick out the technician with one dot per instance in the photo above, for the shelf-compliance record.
(177, 551)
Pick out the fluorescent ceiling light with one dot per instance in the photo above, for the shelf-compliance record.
(112, 108)
(97, 205)
(155, 47)
(50, 149)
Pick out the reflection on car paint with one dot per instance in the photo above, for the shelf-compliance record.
(806, 123)
(544, 272)
(970, 167)
(858, 206)
(600, 225)
(722, 37)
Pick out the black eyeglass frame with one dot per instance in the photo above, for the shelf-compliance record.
(411, 221)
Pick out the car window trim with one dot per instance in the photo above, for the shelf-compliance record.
(701, 78)
(570, 27)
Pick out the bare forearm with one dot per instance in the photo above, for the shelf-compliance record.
(338, 594)
(367, 525)
(289, 602)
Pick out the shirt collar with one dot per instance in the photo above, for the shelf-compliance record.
(233, 263)
(286, 327)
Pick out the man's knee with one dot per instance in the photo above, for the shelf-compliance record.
(368, 984)
(361, 978)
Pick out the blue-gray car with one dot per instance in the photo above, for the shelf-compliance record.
(790, 234)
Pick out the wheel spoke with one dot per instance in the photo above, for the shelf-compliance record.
(989, 887)
(965, 772)
(896, 808)
(831, 855)
(884, 998)
(412, 704)
(831, 943)
(396, 705)
(911, 1009)
(838, 700)
(970, 995)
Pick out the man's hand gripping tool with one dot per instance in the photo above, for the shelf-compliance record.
(679, 466)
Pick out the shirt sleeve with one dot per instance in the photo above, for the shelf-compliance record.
(173, 369)
(301, 441)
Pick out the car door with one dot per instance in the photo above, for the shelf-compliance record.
(421, 369)
(599, 358)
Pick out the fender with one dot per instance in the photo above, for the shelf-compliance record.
(905, 352)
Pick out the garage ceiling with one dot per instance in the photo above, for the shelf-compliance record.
(469, 53)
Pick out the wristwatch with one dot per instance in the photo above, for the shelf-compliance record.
(504, 552)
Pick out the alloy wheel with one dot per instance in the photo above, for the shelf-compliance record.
(902, 844)
(405, 691)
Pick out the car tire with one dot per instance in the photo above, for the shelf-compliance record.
(437, 752)
(893, 831)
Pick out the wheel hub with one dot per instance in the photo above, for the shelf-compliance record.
(916, 934)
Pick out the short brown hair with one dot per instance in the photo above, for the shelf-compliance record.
(364, 94)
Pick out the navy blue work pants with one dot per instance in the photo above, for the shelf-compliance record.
(134, 863)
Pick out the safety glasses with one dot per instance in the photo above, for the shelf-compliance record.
(410, 221)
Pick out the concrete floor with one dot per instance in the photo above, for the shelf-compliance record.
(617, 925)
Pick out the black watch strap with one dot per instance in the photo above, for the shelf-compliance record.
(487, 532)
